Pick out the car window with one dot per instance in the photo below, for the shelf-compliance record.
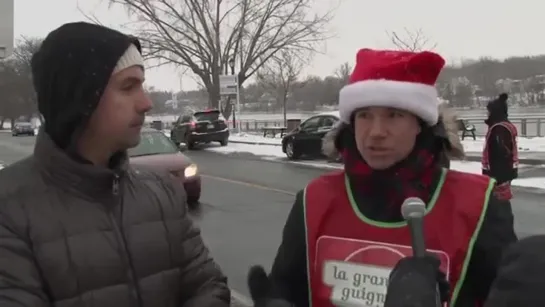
(311, 123)
(207, 116)
(328, 121)
(23, 125)
(186, 119)
(153, 143)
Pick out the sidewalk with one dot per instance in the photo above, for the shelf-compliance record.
(525, 157)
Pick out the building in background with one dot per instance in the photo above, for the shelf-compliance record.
(7, 11)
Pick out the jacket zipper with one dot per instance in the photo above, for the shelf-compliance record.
(118, 201)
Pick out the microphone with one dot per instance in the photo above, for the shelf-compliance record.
(413, 210)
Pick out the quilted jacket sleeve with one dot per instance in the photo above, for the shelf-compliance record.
(20, 283)
(203, 282)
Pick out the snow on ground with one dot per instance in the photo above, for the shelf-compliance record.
(271, 152)
(268, 149)
(524, 144)
(254, 138)
(470, 145)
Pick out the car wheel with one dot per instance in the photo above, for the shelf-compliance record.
(291, 152)
(193, 200)
(224, 142)
(190, 145)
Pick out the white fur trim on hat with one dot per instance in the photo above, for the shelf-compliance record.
(417, 98)
(131, 57)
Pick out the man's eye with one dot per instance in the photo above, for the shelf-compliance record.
(397, 114)
(363, 115)
(127, 87)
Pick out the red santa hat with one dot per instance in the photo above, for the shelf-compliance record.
(397, 79)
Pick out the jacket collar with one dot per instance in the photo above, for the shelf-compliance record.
(76, 176)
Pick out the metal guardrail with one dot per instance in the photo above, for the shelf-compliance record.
(527, 126)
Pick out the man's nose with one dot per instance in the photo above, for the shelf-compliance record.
(144, 103)
(377, 128)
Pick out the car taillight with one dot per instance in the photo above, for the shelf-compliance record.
(192, 124)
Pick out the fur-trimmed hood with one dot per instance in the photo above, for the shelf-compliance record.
(446, 115)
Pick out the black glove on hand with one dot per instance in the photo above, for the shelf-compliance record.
(414, 281)
(260, 289)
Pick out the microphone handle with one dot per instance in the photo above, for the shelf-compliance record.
(419, 247)
(417, 235)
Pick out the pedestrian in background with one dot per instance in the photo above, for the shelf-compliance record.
(500, 153)
(78, 225)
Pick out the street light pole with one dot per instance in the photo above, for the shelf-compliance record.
(232, 65)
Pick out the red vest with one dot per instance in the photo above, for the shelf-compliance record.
(350, 256)
(513, 130)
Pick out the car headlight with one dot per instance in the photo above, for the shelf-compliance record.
(190, 170)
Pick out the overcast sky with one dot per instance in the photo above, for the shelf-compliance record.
(461, 29)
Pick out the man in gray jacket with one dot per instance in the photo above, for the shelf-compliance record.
(78, 225)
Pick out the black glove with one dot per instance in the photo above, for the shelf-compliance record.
(260, 289)
(414, 282)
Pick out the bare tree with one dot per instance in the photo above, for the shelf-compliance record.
(280, 75)
(343, 73)
(25, 49)
(16, 81)
(205, 36)
(414, 40)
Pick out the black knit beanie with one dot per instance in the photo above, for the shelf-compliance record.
(70, 72)
(498, 108)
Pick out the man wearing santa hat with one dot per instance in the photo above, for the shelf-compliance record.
(345, 231)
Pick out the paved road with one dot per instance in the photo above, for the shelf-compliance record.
(246, 201)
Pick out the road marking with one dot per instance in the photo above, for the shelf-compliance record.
(249, 184)
(241, 298)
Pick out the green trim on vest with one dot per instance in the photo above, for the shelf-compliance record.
(372, 222)
(309, 285)
(469, 252)
(431, 204)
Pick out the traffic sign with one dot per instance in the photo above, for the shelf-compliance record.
(228, 85)
(6, 28)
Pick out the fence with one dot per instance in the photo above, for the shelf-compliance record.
(527, 126)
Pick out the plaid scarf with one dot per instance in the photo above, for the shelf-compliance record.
(412, 177)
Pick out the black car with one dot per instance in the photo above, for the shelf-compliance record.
(306, 140)
(201, 127)
(22, 128)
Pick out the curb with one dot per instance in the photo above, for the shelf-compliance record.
(254, 143)
(472, 158)
(529, 161)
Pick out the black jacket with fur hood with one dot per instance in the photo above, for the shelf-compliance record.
(331, 146)
(288, 277)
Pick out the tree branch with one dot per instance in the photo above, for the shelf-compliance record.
(203, 35)
(411, 40)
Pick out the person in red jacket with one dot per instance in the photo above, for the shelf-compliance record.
(500, 154)
(345, 232)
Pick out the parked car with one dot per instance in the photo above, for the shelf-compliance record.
(157, 152)
(306, 140)
(22, 128)
(201, 127)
